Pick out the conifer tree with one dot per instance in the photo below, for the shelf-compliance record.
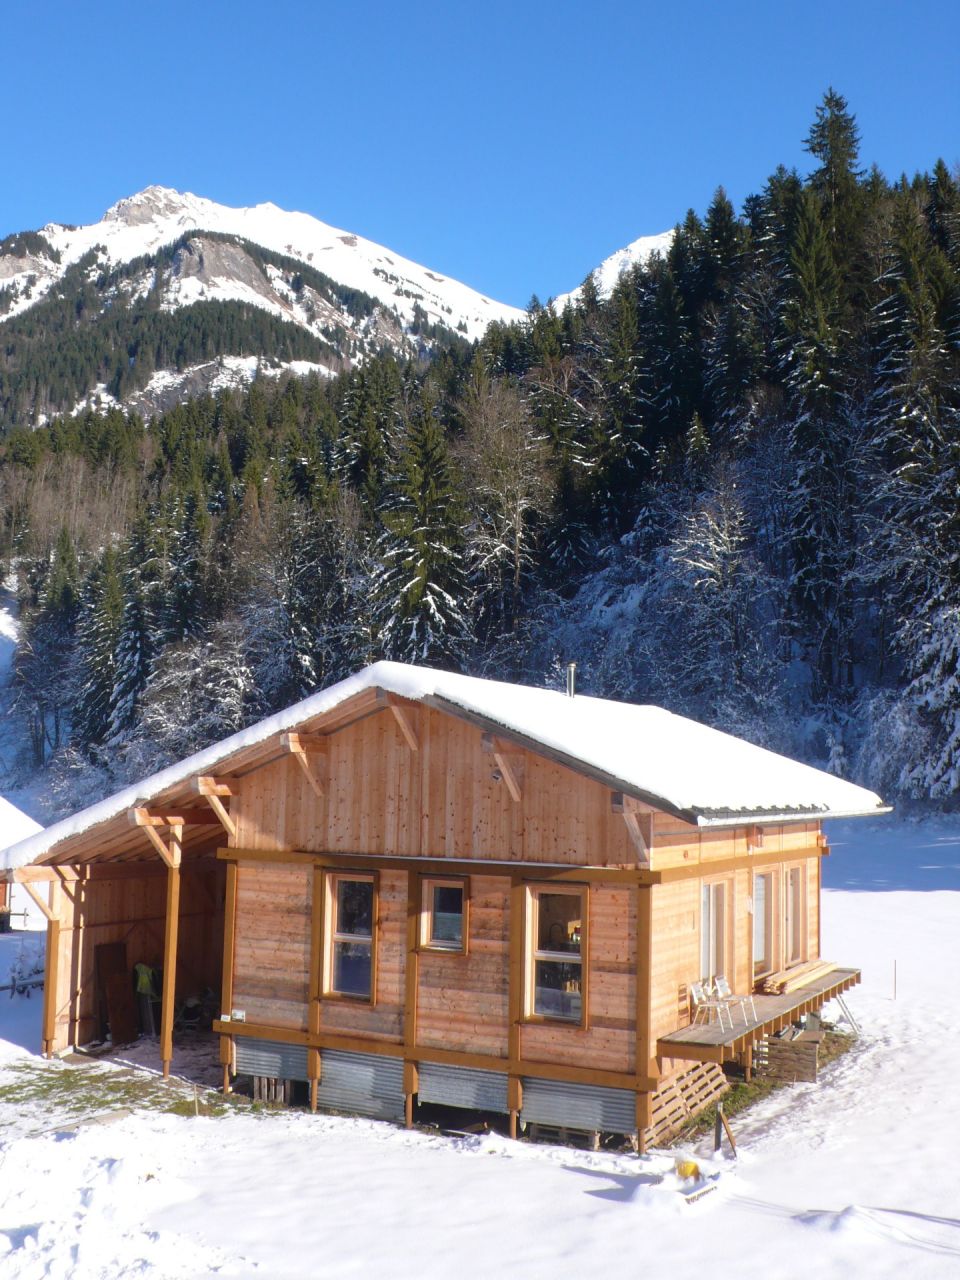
(98, 633)
(421, 600)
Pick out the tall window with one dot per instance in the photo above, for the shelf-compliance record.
(444, 915)
(351, 915)
(556, 945)
(713, 930)
(795, 915)
(763, 924)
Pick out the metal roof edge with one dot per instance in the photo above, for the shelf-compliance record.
(806, 815)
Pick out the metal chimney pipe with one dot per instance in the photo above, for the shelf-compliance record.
(571, 679)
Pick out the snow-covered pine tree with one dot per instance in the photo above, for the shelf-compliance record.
(421, 605)
(505, 464)
(98, 632)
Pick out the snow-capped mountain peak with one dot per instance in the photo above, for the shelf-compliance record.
(166, 250)
(612, 268)
(142, 223)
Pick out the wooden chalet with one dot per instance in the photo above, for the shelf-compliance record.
(422, 887)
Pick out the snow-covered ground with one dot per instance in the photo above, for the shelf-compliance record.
(853, 1177)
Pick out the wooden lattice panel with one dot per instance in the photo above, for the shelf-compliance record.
(682, 1097)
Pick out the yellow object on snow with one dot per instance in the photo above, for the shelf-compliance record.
(687, 1169)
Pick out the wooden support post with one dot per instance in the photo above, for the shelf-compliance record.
(411, 1085)
(412, 968)
(514, 1102)
(48, 1031)
(515, 995)
(748, 1063)
(229, 935)
(643, 1118)
(722, 1125)
(171, 929)
(645, 1067)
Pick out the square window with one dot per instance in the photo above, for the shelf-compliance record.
(444, 914)
(555, 950)
(350, 953)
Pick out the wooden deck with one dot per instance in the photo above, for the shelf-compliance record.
(709, 1042)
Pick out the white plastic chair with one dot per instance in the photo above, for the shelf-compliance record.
(705, 1005)
(724, 993)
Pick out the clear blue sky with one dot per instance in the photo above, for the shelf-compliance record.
(511, 144)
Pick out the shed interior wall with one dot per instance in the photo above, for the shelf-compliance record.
(113, 905)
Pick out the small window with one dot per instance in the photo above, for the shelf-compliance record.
(556, 946)
(444, 915)
(351, 918)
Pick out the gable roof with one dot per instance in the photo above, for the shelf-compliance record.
(700, 775)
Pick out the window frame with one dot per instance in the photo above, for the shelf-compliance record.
(425, 942)
(728, 924)
(331, 935)
(795, 914)
(772, 931)
(531, 953)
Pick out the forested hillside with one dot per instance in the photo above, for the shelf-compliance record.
(729, 487)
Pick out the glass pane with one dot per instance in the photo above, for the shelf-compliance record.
(355, 907)
(559, 922)
(352, 968)
(705, 918)
(447, 915)
(761, 916)
(556, 992)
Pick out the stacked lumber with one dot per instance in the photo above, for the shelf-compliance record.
(800, 975)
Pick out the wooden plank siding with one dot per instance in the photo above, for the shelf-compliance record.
(271, 959)
(462, 1000)
(443, 801)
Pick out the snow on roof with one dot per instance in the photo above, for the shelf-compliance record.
(700, 774)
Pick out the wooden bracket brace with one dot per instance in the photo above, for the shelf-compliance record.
(213, 790)
(170, 852)
(638, 821)
(48, 910)
(310, 755)
(507, 772)
(403, 722)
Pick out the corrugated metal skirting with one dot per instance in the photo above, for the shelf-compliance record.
(270, 1058)
(463, 1087)
(365, 1084)
(578, 1106)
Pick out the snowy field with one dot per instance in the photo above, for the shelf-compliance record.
(856, 1176)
